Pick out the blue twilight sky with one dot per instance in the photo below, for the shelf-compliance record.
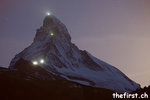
(116, 31)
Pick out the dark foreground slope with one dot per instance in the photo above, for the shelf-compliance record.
(18, 89)
(142, 90)
(30, 82)
(25, 85)
(15, 88)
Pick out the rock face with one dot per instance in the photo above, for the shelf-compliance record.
(62, 58)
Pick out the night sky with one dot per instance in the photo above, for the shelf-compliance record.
(116, 31)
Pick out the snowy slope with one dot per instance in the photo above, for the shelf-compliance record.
(63, 58)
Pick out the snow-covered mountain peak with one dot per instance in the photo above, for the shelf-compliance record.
(52, 44)
(52, 30)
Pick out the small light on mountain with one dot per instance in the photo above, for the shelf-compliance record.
(52, 34)
(35, 63)
(42, 61)
(48, 13)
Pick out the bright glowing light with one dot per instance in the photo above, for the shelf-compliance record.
(42, 61)
(52, 34)
(48, 13)
(35, 63)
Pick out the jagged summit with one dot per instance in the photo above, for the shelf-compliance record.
(48, 21)
(62, 58)
(52, 28)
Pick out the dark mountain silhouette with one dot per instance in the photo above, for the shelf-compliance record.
(143, 90)
(19, 85)
(14, 85)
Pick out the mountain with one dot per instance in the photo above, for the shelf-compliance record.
(53, 52)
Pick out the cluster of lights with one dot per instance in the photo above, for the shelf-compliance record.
(38, 62)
